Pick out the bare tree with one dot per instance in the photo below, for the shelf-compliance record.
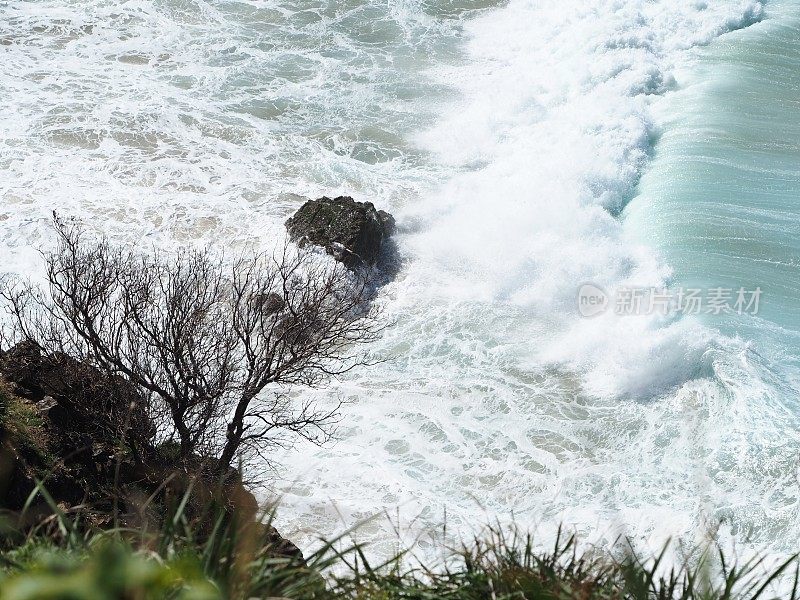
(214, 346)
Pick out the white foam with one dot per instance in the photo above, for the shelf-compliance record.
(179, 122)
(499, 396)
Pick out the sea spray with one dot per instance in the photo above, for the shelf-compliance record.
(508, 138)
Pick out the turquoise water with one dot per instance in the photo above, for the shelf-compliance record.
(505, 136)
(721, 200)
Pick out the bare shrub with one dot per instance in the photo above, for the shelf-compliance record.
(215, 347)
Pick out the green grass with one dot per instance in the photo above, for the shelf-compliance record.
(508, 566)
(21, 426)
(209, 555)
(229, 563)
(110, 569)
(212, 556)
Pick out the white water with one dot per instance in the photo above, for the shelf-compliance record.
(506, 139)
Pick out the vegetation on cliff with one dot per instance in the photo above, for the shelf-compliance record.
(131, 383)
(230, 565)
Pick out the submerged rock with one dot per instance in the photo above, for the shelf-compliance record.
(352, 232)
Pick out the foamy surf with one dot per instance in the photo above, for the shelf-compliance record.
(499, 397)
(508, 141)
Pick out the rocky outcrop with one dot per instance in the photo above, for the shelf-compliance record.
(90, 438)
(89, 408)
(352, 232)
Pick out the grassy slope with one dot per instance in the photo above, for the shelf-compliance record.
(64, 559)
(173, 564)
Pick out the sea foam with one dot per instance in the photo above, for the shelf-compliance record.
(507, 138)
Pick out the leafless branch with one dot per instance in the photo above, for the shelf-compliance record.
(216, 345)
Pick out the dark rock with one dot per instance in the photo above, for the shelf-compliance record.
(272, 542)
(78, 428)
(84, 422)
(25, 456)
(277, 545)
(353, 232)
(86, 408)
(270, 303)
(20, 366)
(388, 221)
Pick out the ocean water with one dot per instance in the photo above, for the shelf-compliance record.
(729, 157)
(526, 147)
